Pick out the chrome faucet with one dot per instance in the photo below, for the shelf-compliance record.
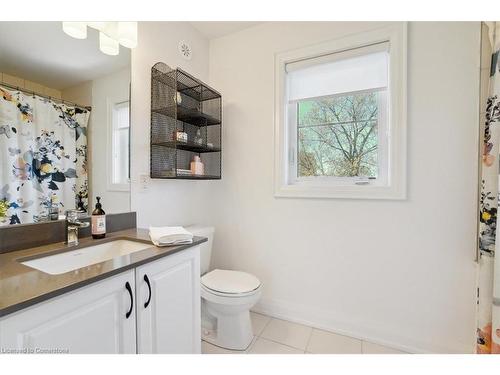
(72, 225)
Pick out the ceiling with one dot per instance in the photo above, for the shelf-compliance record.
(216, 29)
(41, 52)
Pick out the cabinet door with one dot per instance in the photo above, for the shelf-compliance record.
(171, 321)
(91, 319)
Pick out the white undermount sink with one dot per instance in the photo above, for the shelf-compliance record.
(85, 256)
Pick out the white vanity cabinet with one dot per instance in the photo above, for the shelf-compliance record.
(92, 319)
(110, 316)
(168, 304)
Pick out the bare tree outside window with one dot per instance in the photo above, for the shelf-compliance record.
(337, 136)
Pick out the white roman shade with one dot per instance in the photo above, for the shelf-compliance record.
(358, 69)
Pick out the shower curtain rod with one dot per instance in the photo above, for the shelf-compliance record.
(88, 108)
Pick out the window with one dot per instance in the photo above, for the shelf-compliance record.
(120, 146)
(340, 126)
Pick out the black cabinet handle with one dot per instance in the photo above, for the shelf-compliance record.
(146, 279)
(128, 287)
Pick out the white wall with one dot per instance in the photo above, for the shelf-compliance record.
(80, 94)
(29, 85)
(113, 88)
(165, 202)
(395, 272)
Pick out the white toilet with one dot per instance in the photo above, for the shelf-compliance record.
(226, 300)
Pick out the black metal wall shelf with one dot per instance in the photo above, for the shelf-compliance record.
(180, 103)
(189, 115)
(188, 146)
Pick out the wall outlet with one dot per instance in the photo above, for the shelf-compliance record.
(143, 183)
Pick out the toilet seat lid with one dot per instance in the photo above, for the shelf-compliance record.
(230, 282)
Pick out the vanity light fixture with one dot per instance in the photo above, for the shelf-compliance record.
(111, 34)
(108, 45)
(127, 34)
(98, 25)
(77, 30)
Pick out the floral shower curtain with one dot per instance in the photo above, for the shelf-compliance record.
(488, 328)
(43, 156)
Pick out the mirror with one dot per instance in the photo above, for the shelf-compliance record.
(64, 122)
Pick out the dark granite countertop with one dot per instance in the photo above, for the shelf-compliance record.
(22, 286)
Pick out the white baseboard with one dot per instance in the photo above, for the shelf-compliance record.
(324, 320)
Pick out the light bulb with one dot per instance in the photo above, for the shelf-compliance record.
(98, 25)
(77, 30)
(127, 34)
(108, 45)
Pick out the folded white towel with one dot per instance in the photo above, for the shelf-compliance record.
(168, 236)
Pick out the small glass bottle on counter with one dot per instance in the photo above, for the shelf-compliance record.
(98, 221)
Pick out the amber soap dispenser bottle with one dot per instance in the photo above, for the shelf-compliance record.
(98, 221)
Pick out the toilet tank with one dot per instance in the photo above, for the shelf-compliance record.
(205, 247)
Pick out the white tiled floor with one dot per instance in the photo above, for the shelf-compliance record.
(275, 336)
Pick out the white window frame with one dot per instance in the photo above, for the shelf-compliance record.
(392, 184)
(111, 185)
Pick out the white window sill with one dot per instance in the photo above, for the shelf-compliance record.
(341, 192)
